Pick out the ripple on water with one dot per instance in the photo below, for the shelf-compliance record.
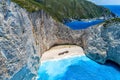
(78, 68)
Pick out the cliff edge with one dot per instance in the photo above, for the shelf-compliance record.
(103, 42)
(25, 36)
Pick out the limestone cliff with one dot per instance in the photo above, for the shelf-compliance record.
(49, 33)
(25, 36)
(19, 53)
(103, 42)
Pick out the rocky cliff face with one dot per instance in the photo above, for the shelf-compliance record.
(19, 54)
(25, 36)
(51, 33)
(103, 43)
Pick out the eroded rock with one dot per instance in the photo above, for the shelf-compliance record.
(103, 43)
(25, 36)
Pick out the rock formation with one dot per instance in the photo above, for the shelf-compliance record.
(25, 36)
(103, 43)
(18, 50)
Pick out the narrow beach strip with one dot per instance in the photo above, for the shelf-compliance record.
(62, 52)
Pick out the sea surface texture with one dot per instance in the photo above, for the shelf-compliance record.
(78, 68)
(77, 25)
(114, 8)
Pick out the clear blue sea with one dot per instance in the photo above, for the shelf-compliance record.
(78, 68)
(114, 8)
(77, 25)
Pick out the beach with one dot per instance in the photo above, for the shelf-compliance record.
(61, 52)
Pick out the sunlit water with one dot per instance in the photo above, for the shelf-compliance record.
(78, 68)
(77, 25)
(114, 8)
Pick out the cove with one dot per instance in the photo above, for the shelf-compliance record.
(78, 68)
(77, 25)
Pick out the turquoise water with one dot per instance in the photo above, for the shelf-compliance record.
(78, 68)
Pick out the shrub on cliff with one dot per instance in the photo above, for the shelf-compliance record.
(62, 9)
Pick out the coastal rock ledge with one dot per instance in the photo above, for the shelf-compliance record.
(25, 36)
(103, 43)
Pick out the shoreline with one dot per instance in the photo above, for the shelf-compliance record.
(62, 52)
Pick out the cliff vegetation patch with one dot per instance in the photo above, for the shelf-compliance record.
(65, 9)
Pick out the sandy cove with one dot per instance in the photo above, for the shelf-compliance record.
(61, 52)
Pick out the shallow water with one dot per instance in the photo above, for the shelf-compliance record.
(78, 68)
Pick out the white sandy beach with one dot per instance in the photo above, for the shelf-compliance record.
(62, 51)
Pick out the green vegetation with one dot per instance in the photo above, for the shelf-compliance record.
(29, 5)
(64, 9)
(111, 21)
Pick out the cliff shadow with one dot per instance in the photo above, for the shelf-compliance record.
(113, 64)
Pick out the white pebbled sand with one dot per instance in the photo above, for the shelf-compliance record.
(62, 51)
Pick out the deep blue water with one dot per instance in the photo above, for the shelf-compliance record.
(114, 8)
(78, 68)
(76, 25)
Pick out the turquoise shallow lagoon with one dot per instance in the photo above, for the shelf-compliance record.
(78, 68)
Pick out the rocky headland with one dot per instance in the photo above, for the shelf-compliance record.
(103, 42)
